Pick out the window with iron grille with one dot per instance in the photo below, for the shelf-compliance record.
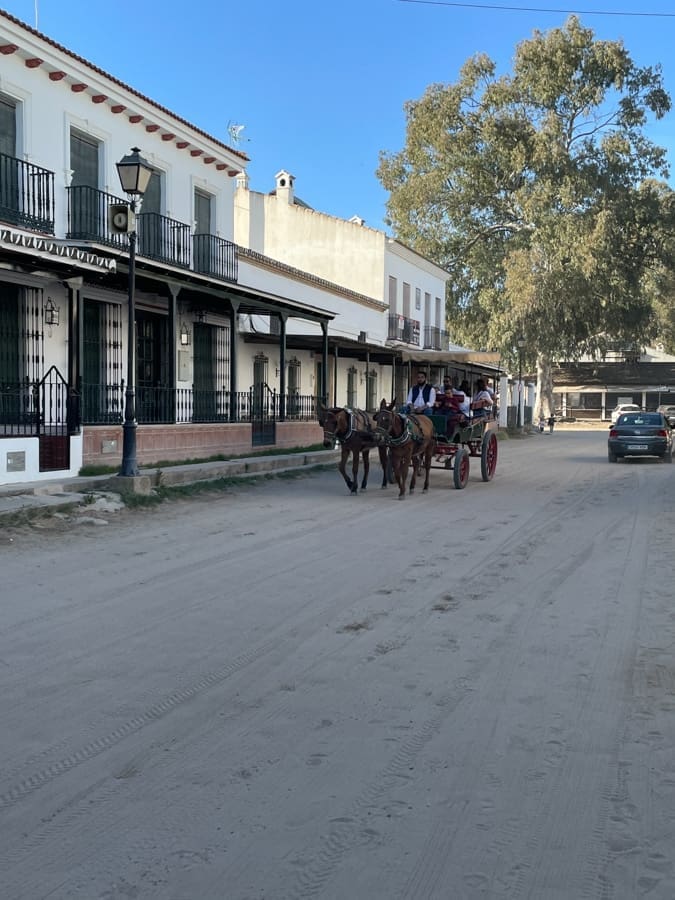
(293, 376)
(211, 372)
(351, 386)
(22, 357)
(260, 366)
(418, 298)
(102, 400)
(371, 389)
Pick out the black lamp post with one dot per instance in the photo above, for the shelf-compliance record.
(520, 341)
(134, 173)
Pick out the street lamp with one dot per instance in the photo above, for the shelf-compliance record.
(134, 173)
(520, 341)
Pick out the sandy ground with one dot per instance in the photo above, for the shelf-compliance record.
(288, 692)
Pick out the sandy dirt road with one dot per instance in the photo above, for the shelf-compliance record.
(286, 692)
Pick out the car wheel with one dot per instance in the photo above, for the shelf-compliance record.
(611, 457)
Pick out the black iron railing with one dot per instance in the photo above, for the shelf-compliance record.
(88, 216)
(214, 256)
(164, 239)
(34, 408)
(400, 328)
(435, 338)
(26, 195)
(103, 404)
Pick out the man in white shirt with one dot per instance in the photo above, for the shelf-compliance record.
(421, 396)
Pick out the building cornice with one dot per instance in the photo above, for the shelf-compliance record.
(81, 76)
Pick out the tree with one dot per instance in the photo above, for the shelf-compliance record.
(536, 191)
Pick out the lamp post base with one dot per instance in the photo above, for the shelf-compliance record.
(129, 465)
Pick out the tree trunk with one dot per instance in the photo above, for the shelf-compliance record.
(544, 405)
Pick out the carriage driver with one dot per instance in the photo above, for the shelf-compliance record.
(421, 396)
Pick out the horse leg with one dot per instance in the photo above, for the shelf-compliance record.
(355, 471)
(413, 481)
(401, 471)
(427, 466)
(342, 468)
(366, 468)
(382, 453)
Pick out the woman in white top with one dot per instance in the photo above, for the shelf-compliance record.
(481, 405)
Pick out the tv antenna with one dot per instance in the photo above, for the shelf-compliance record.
(235, 131)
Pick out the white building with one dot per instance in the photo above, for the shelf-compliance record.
(249, 308)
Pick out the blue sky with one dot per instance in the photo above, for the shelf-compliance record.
(320, 87)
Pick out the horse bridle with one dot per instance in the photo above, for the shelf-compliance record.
(388, 437)
(334, 435)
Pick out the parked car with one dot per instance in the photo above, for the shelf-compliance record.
(622, 408)
(640, 434)
(668, 412)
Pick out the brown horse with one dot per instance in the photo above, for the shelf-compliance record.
(354, 430)
(409, 439)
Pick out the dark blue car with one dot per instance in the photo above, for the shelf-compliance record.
(640, 434)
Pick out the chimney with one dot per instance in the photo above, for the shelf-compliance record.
(242, 181)
(285, 182)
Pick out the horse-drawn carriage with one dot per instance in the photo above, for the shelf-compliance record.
(406, 441)
(457, 442)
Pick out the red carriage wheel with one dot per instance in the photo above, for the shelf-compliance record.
(488, 456)
(461, 468)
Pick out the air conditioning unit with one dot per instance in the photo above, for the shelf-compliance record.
(363, 337)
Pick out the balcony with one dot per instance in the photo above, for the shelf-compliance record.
(26, 195)
(164, 240)
(435, 338)
(88, 216)
(160, 238)
(214, 256)
(400, 328)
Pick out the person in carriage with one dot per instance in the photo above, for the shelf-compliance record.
(421, 396)
(449, 405)
(482, 402)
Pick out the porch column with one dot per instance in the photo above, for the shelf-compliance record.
(233, 361)
(174, 290)
(324, 367)
(393, 377)
(365, 405)
(75, 353)
(282, 367)
(335, 375)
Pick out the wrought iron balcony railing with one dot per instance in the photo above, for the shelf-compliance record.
(403, 329)
(26, 195)
(88, 216)
(214, 256)
(163, 239)
(435, 338)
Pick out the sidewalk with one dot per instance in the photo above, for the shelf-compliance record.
(63, 494)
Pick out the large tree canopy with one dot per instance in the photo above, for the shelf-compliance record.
(538, 192)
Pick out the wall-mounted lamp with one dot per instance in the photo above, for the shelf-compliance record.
(185, 336)
(52, 313)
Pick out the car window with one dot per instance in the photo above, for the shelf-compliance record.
(640, 419)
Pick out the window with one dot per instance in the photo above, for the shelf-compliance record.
(427, 309)
(418, 298)
(440, 318)
(393, 291)
(101, 363)
(293, 376)
(351, 387)
(406, 300)
(84, 160)
(202, 212)
(371, 389)
(7, 126)
(260, 363)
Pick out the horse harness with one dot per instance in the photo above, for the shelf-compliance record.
(353, 419)
(409, 422)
